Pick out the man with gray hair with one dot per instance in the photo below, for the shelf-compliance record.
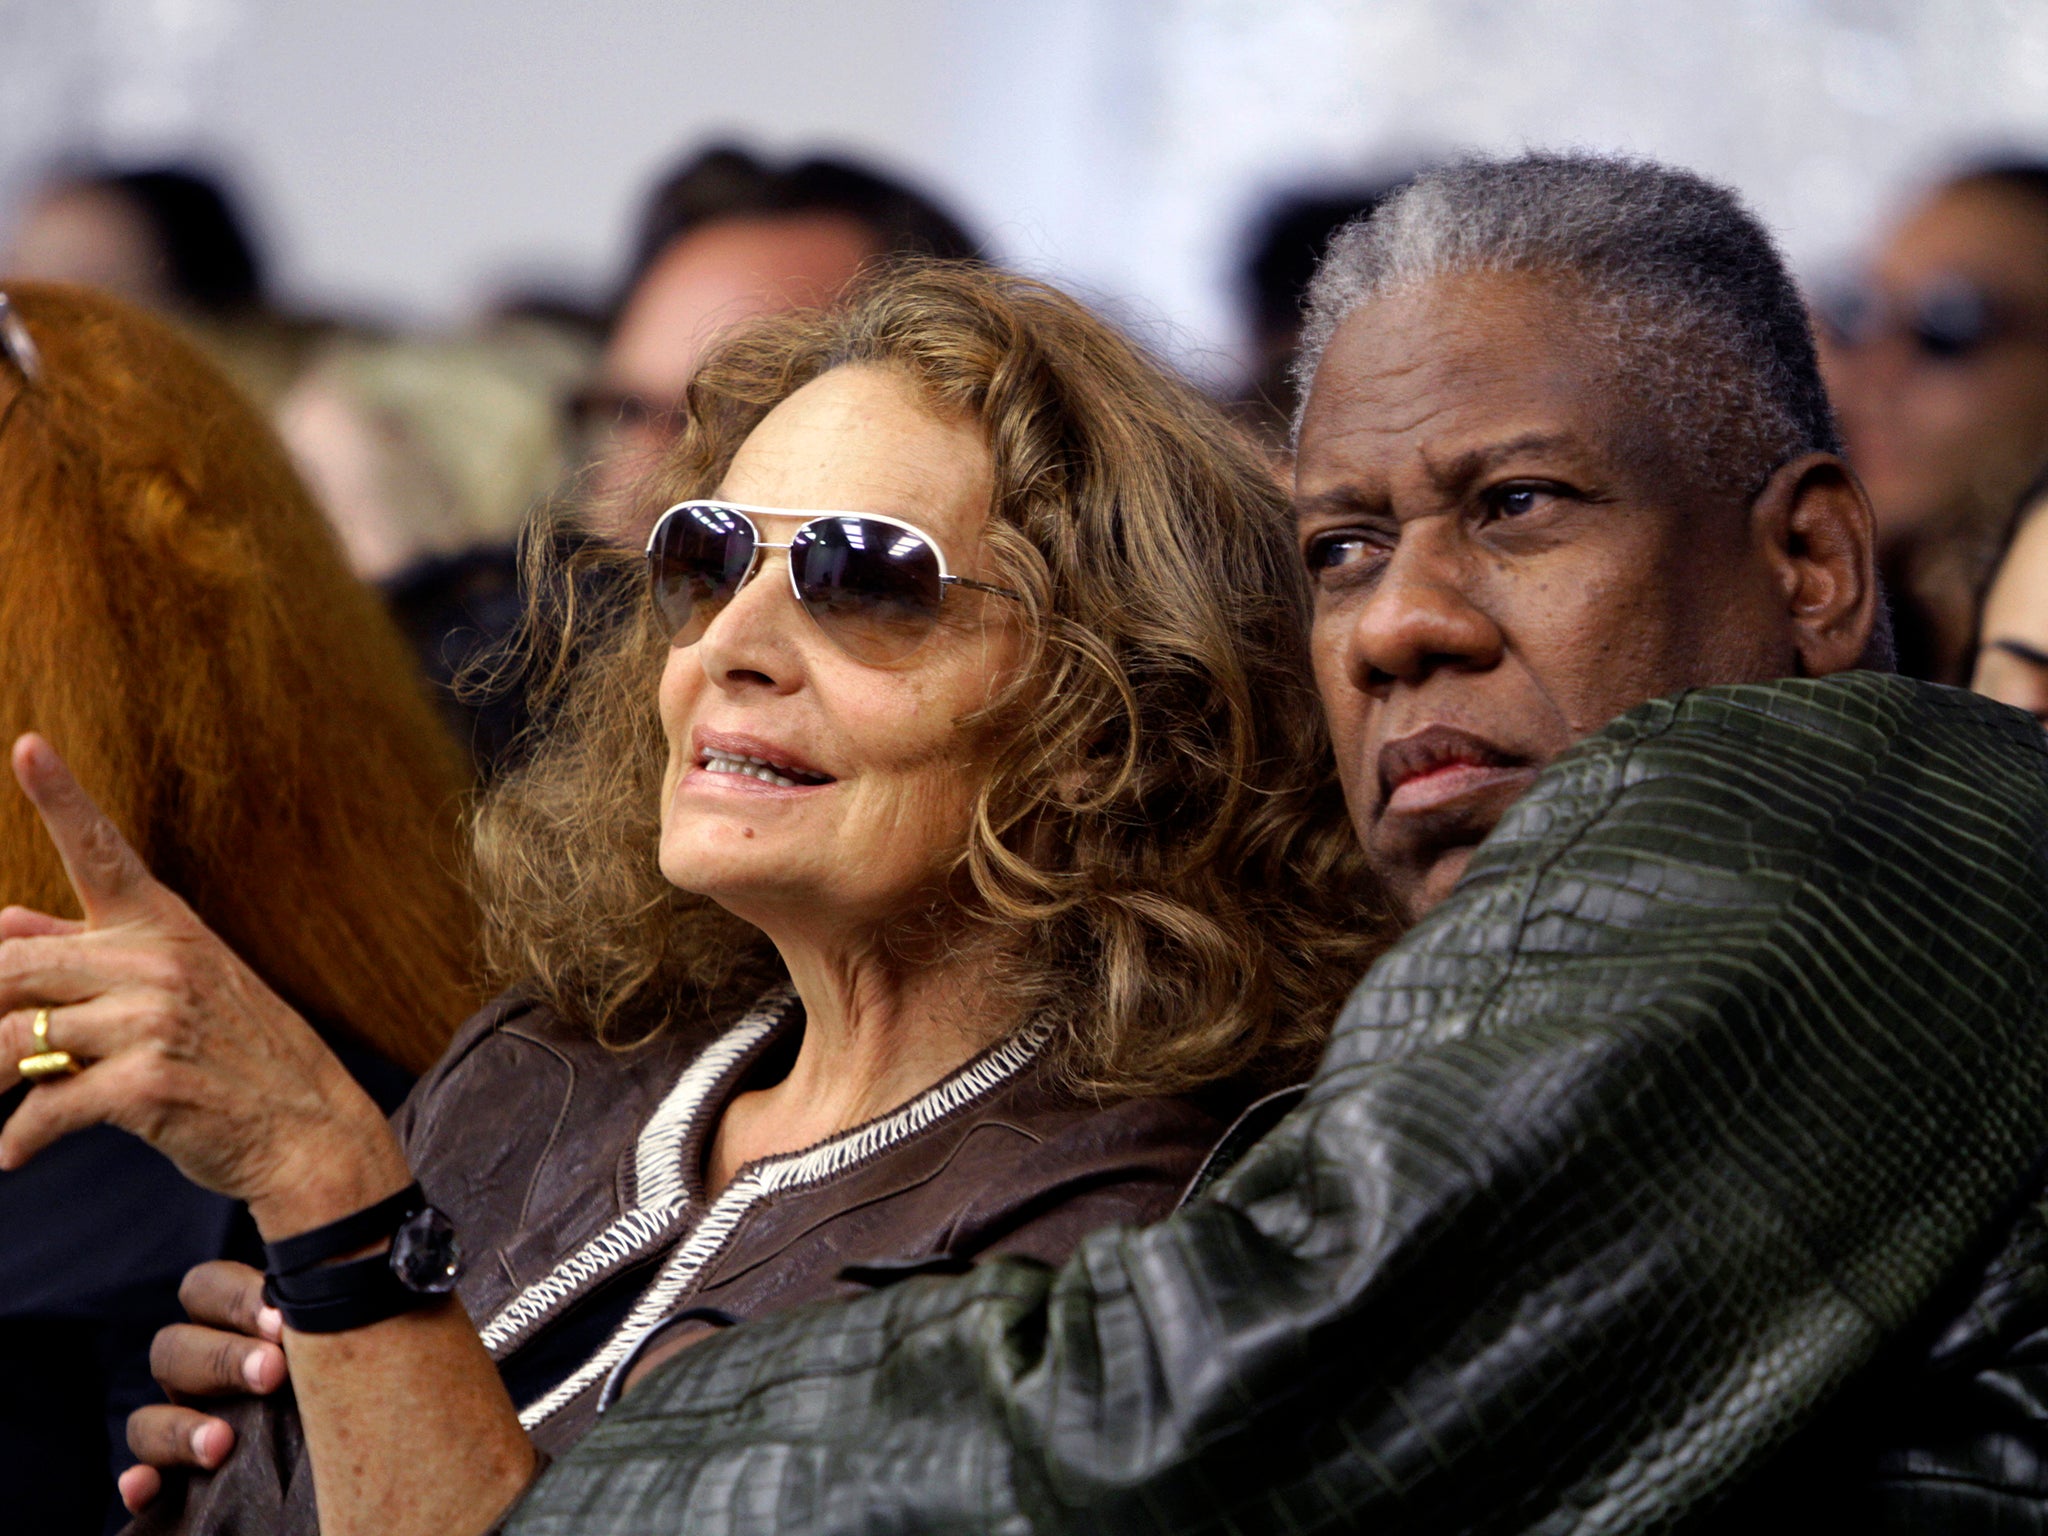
(1673, 275)
(1667, 1170)
(1563, 448)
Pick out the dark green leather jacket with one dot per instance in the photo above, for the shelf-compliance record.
(1684, 1155)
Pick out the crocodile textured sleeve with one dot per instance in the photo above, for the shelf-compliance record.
(1726, 1059)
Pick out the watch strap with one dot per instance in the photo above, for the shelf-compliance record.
(374, 1223)
(338, 1297)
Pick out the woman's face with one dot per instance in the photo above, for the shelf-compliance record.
(884, 775)
(2012, 652)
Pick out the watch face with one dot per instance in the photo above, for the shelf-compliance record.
(425, 1255)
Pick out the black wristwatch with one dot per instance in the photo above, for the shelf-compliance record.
(418, 1270)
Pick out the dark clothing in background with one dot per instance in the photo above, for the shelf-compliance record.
(1690, 1148)
(574, 1176)
(95, 1235)
(460, 612)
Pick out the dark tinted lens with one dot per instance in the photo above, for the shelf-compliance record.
(699, 555)
(1952, 321)
(873, 587)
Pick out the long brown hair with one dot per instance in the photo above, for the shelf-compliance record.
(1160, 855)
(178, 620)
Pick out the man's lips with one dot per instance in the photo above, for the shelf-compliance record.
(1439, 765)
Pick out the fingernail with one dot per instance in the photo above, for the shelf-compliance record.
(216, 1434)
(264, 1369)
(138, 1487)
(270, 1321)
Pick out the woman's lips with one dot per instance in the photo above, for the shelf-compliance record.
(706, 781)
(749, 765)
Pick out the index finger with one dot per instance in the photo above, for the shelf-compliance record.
(109, 877)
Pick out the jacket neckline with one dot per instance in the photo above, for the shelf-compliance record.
(664, 1188)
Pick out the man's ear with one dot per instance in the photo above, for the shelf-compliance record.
(1815, 531)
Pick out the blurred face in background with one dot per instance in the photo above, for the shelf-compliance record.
(1938, 364)
(2012, 654)
(707, 281)
(89, 236)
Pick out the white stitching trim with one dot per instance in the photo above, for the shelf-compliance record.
(659, 1177)
(770, 1177)
(617, 1244)
(659, 1192)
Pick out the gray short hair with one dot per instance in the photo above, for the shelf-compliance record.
(1691, 294)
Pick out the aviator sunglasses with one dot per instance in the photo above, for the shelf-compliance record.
(1949, 321)
(873, 584)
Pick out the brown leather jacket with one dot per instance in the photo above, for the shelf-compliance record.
(572, 1173)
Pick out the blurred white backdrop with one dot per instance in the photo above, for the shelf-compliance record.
(412, 157)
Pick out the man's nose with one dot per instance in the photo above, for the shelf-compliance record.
(1422, 615)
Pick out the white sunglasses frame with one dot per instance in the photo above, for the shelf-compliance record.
(747, 512)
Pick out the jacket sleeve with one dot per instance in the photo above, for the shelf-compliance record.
(1724, 1058)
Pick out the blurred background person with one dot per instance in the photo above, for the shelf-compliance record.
(174, 239)
(2012, 644)
(428, 453)
(1937, 358)
(176, 614)
(425, 452)
(725, 237)
(1283, 247)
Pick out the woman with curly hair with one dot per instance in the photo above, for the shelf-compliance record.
(178, 620)
(926, 872)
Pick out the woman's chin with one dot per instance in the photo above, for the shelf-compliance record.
(767, 871)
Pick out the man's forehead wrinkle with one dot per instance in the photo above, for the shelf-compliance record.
(1351, 499)
(1355, 396)
(1395, 399)
(1354, 438)
(1418, 424)
(1455, 469)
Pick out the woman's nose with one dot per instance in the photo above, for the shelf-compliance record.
(1422, 615)
(755, 640)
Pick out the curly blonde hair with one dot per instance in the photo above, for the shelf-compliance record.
(1159, 855)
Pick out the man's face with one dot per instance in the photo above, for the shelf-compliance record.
(1504, 560)
(706, 283)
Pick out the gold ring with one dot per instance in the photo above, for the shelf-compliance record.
(46, 1065)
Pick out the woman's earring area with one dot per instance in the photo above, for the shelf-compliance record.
(46, 1064)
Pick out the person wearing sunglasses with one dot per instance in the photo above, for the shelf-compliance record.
(935, 846)
(1937, 360)
(1681, 1168)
